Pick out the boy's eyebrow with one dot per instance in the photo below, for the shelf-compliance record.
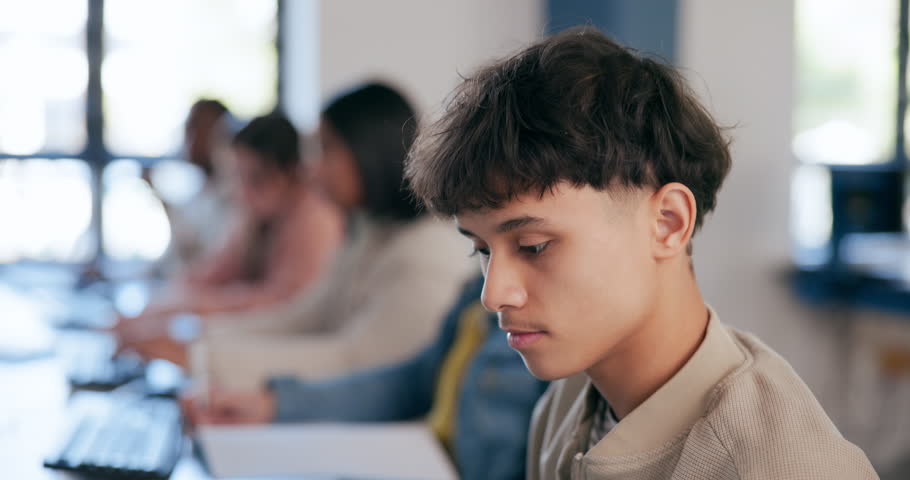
(508, 225)
(518, 222)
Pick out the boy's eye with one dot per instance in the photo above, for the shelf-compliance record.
(533, 249)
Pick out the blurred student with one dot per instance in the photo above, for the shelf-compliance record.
(580, 171)
(474, 391)
(386, 294)
(284, 236)
(198, 227)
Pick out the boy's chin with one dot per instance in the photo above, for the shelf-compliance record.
(549, 371)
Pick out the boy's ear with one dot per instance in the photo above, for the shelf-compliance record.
(674, 211)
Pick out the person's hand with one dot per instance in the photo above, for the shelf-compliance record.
(163, 347)
(133, 330)
(124, 326)
(234, 408)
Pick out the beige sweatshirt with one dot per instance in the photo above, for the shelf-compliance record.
(736, 410)
(382, 301)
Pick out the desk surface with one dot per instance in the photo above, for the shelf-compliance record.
(34, 393)
(33, 398)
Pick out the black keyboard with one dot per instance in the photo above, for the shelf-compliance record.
(87, 359)
(106, 374)
(121, 436)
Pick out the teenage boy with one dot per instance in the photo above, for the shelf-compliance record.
(581, 171)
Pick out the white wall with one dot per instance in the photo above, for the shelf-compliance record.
(739, 56)
(744, 73)
(418, 45)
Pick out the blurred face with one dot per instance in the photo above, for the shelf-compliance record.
(336, 171)
(570, 274)
(199, 137)
(258, 186)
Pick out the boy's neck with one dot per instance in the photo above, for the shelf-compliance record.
(650, 356)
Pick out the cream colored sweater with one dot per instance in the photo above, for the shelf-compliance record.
(736, 410)
(383, 300)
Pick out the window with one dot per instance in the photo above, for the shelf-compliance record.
(45, 209)
(847, 64)
(157, 63)
(43, 87)
(99, 89)
(848, 123)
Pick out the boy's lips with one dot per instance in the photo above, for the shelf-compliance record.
(522, 330)
(519, 340)
(522, 337)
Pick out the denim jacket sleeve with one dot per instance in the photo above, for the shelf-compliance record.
(394, 392)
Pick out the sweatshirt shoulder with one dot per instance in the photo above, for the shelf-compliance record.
(774, 427)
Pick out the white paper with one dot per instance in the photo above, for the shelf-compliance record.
(349, 450)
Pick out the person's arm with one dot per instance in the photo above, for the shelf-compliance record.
(398, 319)
(396, 310)
(176, 297)
(305, 311)
(396, 392)
(305, 245)
(223, 265)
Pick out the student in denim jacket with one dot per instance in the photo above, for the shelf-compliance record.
(485, 429)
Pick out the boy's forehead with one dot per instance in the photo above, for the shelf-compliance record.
(522, 205)
(552, 207)
(550, 204)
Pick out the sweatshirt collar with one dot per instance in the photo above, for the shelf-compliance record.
(676, 405)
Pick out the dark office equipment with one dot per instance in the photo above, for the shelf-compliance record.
(864, 200)
(867, 248)
(121, 436)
